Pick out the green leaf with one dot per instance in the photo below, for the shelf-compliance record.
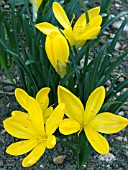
(17, 2)
(113, 65)
(85, 11)
(85, 150)
(111, 21)
(122, 98)
(71, 8)
(81, 52)
(109, 104)
(118, 146)
(121, 86)
(84, 155)
(69, 75)
(97, 65)
(112, 91)
(7, 84)
(20, 63)
(30, 61)
(2, 16)
(115, 39)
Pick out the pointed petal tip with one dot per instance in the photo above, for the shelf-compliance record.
(61, 88)
(102, 89)
(61, 15)
(51, 142)
(17, 90)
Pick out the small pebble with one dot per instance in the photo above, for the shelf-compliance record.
(121, 113)
(125, 139)
(59, 159)
(118, 94)
(117, 5)
(6, 6)
(119, 138)
(42, 166)
(108, 83)
(121, 79)
(107, 157)
(117, 46)
(117, 25)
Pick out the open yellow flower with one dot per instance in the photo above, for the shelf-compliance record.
(35, 5)
(41, 97)
(30, 127)
(56, 46)
(81, 31)
(88, 120)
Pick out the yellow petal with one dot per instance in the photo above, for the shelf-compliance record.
(49, 46)
(80, 23)
(80, 44)
(39, 3)
(90, 34)
(47, 113)
(91, 30)
(70, 36)
(46, 28)
(61, 15)
(20, 113)
(94, 103)
(98, 142)
(93, 12)
(35, 113)
(34, 155)
(19, 127)
(95, 22)
(54, 120)
(108, 123)
(23, 119)
(42, 98)
(57, 49)
(61, 49)
(69, 126)
(22, 147)
(51, 142)
(36, 4)
(73, 105)
(21, 97)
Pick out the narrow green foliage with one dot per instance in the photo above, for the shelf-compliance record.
(118, 147)
(122, 99)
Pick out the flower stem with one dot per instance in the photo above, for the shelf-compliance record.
(85, 10)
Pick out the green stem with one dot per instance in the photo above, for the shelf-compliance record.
(77, 71)
(119, 146)
(85, 11)
(83, 151)
(6, 69)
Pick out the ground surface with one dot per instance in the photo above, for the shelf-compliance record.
(115, 160)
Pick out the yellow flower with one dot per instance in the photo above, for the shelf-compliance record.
(30, 127)
(35, 4)
(81, 30)
(88, 120)
(41, 97)
(56, 46)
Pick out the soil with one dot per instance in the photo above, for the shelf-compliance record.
(117, 159)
